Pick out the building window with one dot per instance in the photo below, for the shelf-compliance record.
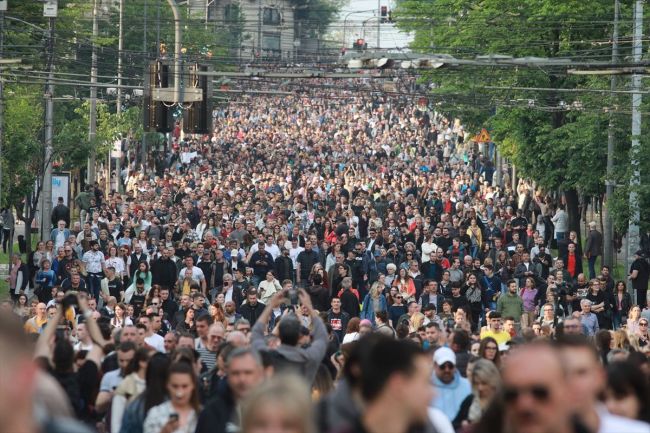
(271, 42)
(231, 13)
(271, 17)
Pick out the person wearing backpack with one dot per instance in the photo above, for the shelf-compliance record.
(290, 355)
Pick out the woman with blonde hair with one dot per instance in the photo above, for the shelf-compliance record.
(633, 320)
(281, 404)
(620, 340)
(373, 302)
(415, 322)
(486, 382)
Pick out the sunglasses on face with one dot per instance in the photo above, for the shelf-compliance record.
(447, 366)
(539, 392)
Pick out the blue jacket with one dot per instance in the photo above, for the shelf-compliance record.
(368, 310)
(55, 231)
(449, 396)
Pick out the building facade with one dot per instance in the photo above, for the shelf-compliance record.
(268, 27)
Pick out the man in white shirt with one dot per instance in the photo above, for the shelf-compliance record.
(586, 379)
(294, 251)
(59, 235)
(152, 339)
(196, 274)
(95, 265)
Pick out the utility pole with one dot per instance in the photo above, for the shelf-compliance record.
(46, 204)
(635, 180)
(259, 29)
(92, 127)
(378, 23)
(120, 46)
(2, 95)
(608, 247)
(146, 55)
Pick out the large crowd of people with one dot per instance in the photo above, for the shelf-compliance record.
(328, 260)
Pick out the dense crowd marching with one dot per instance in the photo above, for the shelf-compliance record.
(334, 260)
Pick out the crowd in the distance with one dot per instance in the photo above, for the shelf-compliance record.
(328, 261)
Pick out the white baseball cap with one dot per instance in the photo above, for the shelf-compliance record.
(444, 354)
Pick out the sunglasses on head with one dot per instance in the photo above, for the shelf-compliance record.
(539, 392)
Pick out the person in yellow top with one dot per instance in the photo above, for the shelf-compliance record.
(496, 329)
(36, 323)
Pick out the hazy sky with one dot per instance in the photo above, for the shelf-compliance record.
(390, 37)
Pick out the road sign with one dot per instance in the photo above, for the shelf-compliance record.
(483, 137)
(50, 9)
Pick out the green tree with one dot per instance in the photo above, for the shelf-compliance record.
(555, 135)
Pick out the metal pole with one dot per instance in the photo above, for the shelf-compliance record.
(635, 182)
(608, 247)
(146, 53)
(498, 167)
(259, 29)
(120, 47)
(49, 134)
(378, 22)
(177, 51)
(92, 128)
(2, 99)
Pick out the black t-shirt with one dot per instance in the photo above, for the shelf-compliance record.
(307, 260)
(137, 301)
(115, 287)
(338, 322)
(395, 312)
(641, 281)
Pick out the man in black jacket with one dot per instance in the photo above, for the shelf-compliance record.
(284, 266)
(252, 309)
(163, 270)
(60, 212)
(244, 371)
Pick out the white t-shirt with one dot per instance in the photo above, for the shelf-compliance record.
(197, 274)
(616, 424)
(157, 342)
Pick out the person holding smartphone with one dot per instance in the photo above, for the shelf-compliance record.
(179, 414)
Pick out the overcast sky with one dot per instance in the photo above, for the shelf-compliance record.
(390, 37)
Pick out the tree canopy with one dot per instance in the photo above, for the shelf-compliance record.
(551, 124)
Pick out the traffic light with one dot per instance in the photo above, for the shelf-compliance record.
(384, 13)
(157, 116)
(198, 118)
(360, 44)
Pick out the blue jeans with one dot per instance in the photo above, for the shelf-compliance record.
(592, 266)
(618, 319)
(560, 235)
(94, 284)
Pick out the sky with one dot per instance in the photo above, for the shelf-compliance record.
(358, 11)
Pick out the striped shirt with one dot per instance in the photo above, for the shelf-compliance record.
(207, 357)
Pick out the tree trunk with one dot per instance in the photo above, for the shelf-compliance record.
(28, 235)
(573, 210)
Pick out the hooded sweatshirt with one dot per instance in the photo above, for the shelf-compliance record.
(449, 396)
